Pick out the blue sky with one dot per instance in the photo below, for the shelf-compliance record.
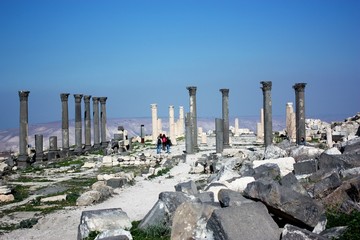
(142, 52)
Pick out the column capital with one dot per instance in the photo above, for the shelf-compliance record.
(299, 87)
(192, 90)
(78, 98)
(171, 106)
(224, 91)
(24, 95)
(154, 105)
(95, 99)
(266, 85)
(64, 96)
(87, 98)
(102, 100)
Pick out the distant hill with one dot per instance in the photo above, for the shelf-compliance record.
(9, 138)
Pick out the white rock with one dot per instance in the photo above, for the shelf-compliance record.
(332, 151)
(7, 198)
(54, 198)
(89, 165)
(5, 190)
(107, 159)
(286, 164)
(240, 184)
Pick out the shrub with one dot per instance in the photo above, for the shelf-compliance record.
(159, 232)
(351, 220)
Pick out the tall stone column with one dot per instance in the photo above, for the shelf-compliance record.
(142, 133)
(236, 133)
(65, 121)
(172, 124)
(181, 121)
(78, 123)
(87, 122)
(219, 131)
(154, 122)
(329, 140)
(290, 122)
(24, 129)
(193, 116)
(268, 134)
(104, 141)
(225, 116)
(189, 146)
(96, 122)
(300, 111)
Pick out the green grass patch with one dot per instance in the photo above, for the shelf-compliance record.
(160, 173)
(68, 162)
(159, 232)
(351, 220)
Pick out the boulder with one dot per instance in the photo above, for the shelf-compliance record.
(352, 147)
(305, 167)
(242, 222)
(104, 190)
(6, 198)
(301, 153)
(102, 220)
(190, 220)
(334, 233)
(294, 207)
(291, 232)
(205, 197)
(267, 171)
(163, 211)
(239, 184)
(187, 187)
(290, 181)
(344, 161)
(215, 187)
(332, 151)
(229, 198)
(272, 152)
(286, 164)
(88, 198)
(116, 182)
(326, 185)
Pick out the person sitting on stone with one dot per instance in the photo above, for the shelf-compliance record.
(168, 144)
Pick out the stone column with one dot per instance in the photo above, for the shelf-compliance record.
(65, 121)
(189, 146)
(39, 147)
(225, 116)
(193, 116)
(268, 134)
(154, 122)
(87, 122)
(53, 149)
(300, 111)
(24, 130)
(236, 133)
(219, 131)
(172, 125)
(96, 122)
(329, 140)
(104, 141)
(181, 121)
(290, 122)
(142, 133)
(78, 123)
(159, 125)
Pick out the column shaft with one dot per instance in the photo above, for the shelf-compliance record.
(154, 122)
(219, 132)
(65, 120)
(104, 141)
(23, 131)
(268, 134)
(193, 117)
(87, 122)
(300, 111)
(225, 116)
(189, 146)
(96, 122)
(78, 123)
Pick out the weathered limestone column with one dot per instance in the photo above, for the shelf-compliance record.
(104, 141)
(142, 133)
(159, 125)
(268, 134)
(172, 124)
(65, 121)
(53, 149)
(78, 123)
(193, 116)
(290, 122)
(154, 122)
(87, 122)
(260, 127)
(225, 116)
(39, 147)
(96, 122)
(329, 140)
(189, 146)
(203, 139)
(300, 111)
(236, 133)
(181, 121)
(219, 131)
(24, 129)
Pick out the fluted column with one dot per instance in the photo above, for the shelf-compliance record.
(154, 122)
(172, 124)
(193, 117)
(87, 122)
(300, 111)
(96, 122)
(268, 135)
(78, 123)
(104, 141)
(24, 129)
(225, 116)
(65, 120)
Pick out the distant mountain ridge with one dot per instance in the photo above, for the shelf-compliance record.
(9, 138)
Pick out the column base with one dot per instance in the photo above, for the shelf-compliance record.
(23, 161)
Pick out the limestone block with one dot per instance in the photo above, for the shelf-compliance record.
(107, 159)
(286, 164)
(291, 232)
(89, 165)
(187, 187)
(5, 190)
(305, 167)
(6, 198)
(88, 198)
(230, 198)
(239, 184)
(215, 187)
(332, 151)
(54, 198)
(114, 234)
